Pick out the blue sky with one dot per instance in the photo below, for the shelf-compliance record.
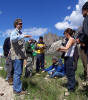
(39, 16)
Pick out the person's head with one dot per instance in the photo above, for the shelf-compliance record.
(18, 23)
(54, 60)
(41, 39)
(68, 33)
(85, 9)
(32, 41)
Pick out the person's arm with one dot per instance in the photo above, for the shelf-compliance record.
(85, 26)
(14, 37)
(48, 69)
(69, 44)
(59, 68)
(44, 47)
(36, 47)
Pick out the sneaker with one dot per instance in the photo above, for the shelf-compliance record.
(66, 93)
(10, 81)
(20, 93)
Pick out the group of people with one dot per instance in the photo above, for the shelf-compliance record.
(17, 50)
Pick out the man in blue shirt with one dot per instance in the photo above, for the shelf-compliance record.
(18, 55)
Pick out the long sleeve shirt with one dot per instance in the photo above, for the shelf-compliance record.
(83, 34)
(16, 35)
(56, 68)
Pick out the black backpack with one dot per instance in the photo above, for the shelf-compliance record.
(6, 46)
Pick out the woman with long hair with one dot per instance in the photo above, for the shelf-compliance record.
(69, 59)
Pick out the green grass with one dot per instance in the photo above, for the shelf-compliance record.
(52, 89)
(2, 72)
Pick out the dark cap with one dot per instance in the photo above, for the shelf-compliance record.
(32, 40)
(85, 6)
(55, 58)
(41, 37)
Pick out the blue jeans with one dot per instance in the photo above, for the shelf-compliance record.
(18, 69)
(55, 73)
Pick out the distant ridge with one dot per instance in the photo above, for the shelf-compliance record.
(50, 38)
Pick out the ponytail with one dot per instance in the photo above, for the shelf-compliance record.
(69, 31)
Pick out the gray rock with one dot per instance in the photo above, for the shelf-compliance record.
(54, 46)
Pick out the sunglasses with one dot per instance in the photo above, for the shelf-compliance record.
(20, 23)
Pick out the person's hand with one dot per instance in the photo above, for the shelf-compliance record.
(77, 40)
(27, 36)
(41, 47)
(51, 73)
(43, 71)
(58, 49)
(7, 58)
(82, 44)
(29, 42)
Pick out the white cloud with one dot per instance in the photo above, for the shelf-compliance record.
(5, 33)
(8, 31)
(1, 54)
(69, 7)
(1, 47)
(35, 31)
(74, 20)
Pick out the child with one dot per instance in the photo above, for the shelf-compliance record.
(56, 69)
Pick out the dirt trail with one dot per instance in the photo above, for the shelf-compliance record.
(6, 89)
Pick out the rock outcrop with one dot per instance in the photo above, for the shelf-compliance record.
(50, 38)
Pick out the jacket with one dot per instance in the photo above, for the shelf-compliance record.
(6, 46)
(28, 49)
(56, 68)
(83, 34)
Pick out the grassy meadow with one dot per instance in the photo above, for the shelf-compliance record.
(40, 88)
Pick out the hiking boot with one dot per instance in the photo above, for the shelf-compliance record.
(1, 94)
(10, 81)
(20, 93)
